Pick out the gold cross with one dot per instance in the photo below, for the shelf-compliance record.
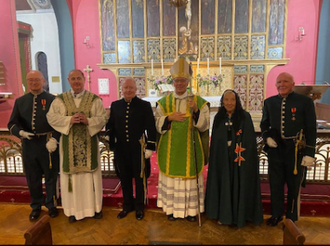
(88, 70)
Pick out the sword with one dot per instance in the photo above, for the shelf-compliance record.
(142, 173)
(300, 142)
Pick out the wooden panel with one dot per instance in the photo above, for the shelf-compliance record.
(322, 111)
(224, 16)
(208, 16)
(153, 18)
(241, 16)
(259, 15)
(137, 20)
(107, 25)
(276, 22)
(122, 19)
(168, 19)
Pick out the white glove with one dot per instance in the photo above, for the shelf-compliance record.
(307, 161)
(51, 145)
(147, 153)
(25, 134)
(271, 142)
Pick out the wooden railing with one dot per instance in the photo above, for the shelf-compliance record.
(11, 157)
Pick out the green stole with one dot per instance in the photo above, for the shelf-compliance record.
(80, 150)
(175, 151)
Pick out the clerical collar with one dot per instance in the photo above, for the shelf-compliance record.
(183, 96)
(77, 95)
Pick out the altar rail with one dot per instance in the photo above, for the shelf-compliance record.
(11, 157)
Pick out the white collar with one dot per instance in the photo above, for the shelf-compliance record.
(183, 96)
(77, 95)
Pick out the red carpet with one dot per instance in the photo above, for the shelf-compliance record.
(315, 198)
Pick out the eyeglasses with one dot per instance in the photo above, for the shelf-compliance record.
(34, 80)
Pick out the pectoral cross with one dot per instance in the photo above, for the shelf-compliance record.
(88, 70)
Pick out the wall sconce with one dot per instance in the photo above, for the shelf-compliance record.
(301, 33)
(86, 42)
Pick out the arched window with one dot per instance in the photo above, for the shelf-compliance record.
(42, 67)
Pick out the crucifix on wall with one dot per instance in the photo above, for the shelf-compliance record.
(88, 69)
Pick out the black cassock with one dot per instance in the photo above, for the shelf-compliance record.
(233, 194)
(128, 122)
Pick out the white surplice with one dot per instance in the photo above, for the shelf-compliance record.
(87, 191)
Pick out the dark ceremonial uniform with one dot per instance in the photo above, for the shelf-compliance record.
(29, 114)
(283, 119)
(233, 194)
(127, 123)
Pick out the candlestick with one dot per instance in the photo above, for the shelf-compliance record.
(219, 65)
(208, 66)
(162, 67)
(197, 66)
(152, 66)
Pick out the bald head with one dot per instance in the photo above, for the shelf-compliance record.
(129, 88)
(284, 84)
(35, 81)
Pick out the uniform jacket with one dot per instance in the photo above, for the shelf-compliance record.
(285, 117)
(29, 114)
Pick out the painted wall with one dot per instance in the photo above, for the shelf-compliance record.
(9, 55)
(302, 54)
(85, 16)
(64, 22)
(323, 54)
(49, 44)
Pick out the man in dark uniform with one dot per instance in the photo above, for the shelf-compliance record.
(39, 143)
(288, 128)
(132, 134)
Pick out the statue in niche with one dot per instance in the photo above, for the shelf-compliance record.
(187, 46)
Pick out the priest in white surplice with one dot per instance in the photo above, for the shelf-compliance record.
(175, 116)
(79, 115)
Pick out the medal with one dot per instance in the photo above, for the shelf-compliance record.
(293, 111)
(43, 102)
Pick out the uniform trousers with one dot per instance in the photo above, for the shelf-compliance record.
(36, 164)
(281, 161)
(128, 166)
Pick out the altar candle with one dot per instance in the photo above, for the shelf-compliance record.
(152, 66)
(208, 66)
(162, 67)
(197, 65)
(219, 65)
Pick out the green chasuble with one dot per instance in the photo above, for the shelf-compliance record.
(175, 149)
(79, 148)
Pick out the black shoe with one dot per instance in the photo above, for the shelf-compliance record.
(72, 219)
(53, 212)
(191, 218)
(139, 214)
(34, 215)
(122, 214)
(273, 221)
(98, 215)
(170, 217)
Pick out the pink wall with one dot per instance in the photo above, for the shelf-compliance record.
(302, 54)
(85, 16)
(86, 23)
(9, 55)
